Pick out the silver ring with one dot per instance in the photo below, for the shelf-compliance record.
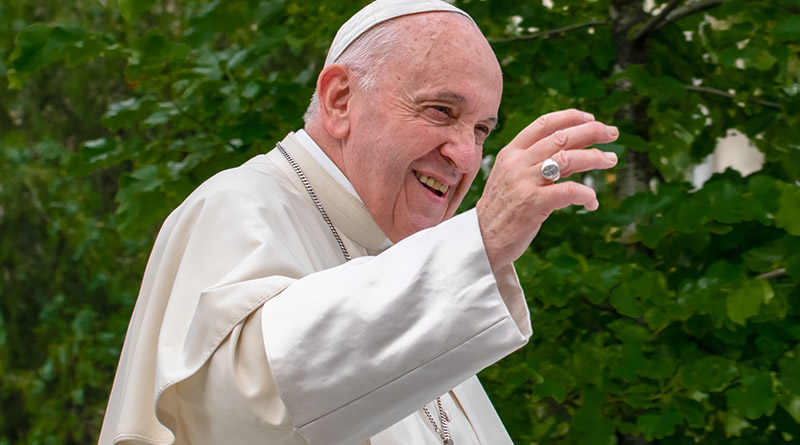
(550, 170)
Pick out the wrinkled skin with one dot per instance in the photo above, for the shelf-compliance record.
(435, 103)
(517, 199)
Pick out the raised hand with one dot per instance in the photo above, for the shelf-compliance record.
(517, 198)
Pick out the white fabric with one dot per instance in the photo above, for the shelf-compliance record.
(377, 12)
(325, 162)
(311, 147)
(352, 350)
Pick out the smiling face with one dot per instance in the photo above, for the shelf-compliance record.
(415, 143)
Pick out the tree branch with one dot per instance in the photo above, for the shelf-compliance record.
(650, 26)
(550, 32)
(689, 9)
(772, 274)
(709, 90)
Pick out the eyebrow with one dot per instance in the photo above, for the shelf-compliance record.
(449, 96)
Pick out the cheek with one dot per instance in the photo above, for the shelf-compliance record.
(459, 194)
(384, 177)
(477, 162)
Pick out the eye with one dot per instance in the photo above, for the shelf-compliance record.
(481, 133)
(443, 110)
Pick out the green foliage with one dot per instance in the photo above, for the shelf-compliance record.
(669, 316)
(110, 115)
(678, 306)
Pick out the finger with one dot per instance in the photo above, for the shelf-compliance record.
(547, 124)
(577, 161)
(572, 138)
(564, 194)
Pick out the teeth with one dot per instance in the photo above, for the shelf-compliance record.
(432, 183)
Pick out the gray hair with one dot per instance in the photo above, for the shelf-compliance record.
(365, 58)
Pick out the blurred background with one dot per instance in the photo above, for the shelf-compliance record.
(668, 316)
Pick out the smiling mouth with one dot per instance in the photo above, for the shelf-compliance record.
(435, 186)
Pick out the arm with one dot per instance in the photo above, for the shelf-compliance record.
(350, 350)
(356, 348)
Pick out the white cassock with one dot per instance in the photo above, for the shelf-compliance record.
(250, 328)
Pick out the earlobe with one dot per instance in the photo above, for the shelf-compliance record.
(335, 93)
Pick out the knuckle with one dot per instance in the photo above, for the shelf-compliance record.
(599, 155)
(562, 160)
(598, 129)
(559, 138)
(575, 114)
(503, 156)
(505, 160)
(542, 121)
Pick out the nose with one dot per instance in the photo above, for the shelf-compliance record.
(462, 151)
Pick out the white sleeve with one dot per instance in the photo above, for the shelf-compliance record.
(356, 348)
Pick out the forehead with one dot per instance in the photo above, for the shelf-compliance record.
(444, 55)
(429, 37)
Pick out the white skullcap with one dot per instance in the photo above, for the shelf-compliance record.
(378, 12)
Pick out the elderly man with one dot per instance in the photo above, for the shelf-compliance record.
(322, 293)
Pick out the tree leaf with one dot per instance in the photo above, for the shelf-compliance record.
(550, 387)
(132, 9)
(141, 201)
(790, 372)
(590, 427)
(792, 406)
(630, 296)
(734, 424)
(711, 373)
(658, 426)
(692, 410)
(94, 154)
(745, 301)
(754, 397)
(788, 215)
(588, 86)
(31, 52)
(267, 10)
(629, 332)
(64, 33)
(789, 28)
(125, 112)
(615, 100)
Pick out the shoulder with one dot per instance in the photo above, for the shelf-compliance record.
(256, 188)
(258, 176)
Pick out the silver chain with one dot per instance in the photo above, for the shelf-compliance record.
(314, 198)
(444, 416)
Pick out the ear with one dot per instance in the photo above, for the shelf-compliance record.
(335, 89)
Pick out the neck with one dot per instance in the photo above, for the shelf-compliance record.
(330, 145)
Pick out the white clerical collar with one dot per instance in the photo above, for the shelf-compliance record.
(325, 162)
